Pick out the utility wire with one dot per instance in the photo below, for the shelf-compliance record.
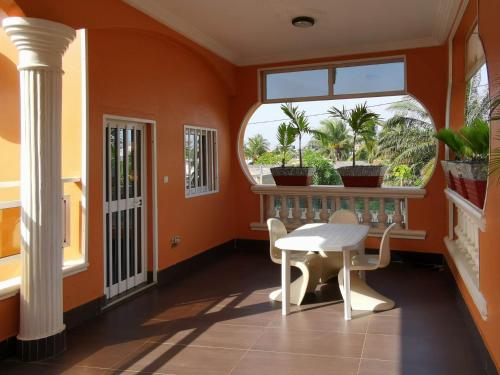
(326, 113)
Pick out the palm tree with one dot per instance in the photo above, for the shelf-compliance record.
(407, 137)
(299, 122)
(477, 104)
(361, 121)
(285, 137)
(256, 146)
(333, 138)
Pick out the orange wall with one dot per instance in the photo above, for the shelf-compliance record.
(489, 277)
(426, 80)
(139, 68)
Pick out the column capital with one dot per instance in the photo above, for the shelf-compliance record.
(41, 43)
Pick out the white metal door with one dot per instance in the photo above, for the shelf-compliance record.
(124, 206)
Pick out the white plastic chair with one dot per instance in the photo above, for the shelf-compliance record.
(333, 262)
(308, 263)
(362, 296)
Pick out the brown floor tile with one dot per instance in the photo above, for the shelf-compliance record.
(218, 335)
(317, 320)
(423, 326)
(98, 352)
(180, 360)
(268, 363)
(311, 342)
(375, 367)
(419, 350)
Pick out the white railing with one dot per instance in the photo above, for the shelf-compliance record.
(463, 243)
(377, 207)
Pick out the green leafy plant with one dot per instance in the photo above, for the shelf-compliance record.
(299, 123)
(403, 173)
(325, 173)
(477, 139)
(361, 121)
(453, 140)
(286, 137)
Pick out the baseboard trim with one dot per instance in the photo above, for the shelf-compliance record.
(77, 316)
(182, 269)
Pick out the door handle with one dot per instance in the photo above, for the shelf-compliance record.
(138, 202)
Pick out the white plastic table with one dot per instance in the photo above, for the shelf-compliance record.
(321, 237)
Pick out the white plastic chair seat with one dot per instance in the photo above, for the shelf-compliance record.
(364, 262)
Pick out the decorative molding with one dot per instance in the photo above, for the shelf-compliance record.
(445, 15)
(374, 232)
(154, 10)
(444, 18)
(341, 191)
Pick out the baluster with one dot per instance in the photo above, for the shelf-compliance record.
(381, 216)
(310, 209)
(271, 211)
(338, 204)
(397, 217)
(367, 215)
(324, 209)
(284, 209)
(352, 204)
(296, 211)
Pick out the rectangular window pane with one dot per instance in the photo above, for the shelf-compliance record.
(114, 247)
(131, 163)
(139, 162)
(114, 164)
(131, 237)
(372, 78)
(200, 153)
(123, 245)
(123, 160)
(297, 84)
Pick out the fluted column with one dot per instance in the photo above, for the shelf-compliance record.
(41, 44)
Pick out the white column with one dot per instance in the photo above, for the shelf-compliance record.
(41, 44)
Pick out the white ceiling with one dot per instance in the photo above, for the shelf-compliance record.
(248, 32)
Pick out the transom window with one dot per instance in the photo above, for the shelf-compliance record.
(200, 161)
(335, 81)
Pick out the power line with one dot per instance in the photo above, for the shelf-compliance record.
(326, 113)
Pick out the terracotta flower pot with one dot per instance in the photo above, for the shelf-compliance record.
(292, 176)
(362, 175)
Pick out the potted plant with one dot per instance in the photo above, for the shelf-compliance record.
(287, 134)
(456, 144)
(362, 123)
(471, 144)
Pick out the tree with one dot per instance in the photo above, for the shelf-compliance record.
(285, 137)
(333, 138)
(402, 173)
(477, 104)
(408, 137)
(361, 121)
(256, 146)
(299, 122)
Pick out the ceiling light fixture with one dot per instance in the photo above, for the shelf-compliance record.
(303, 21)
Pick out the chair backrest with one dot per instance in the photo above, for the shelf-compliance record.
(277, 230)
(343, 217)
(385, 248)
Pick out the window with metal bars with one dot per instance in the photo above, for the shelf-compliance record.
(200, 161)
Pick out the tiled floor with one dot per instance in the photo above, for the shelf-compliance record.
(220, 321)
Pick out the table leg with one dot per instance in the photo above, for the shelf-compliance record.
(285, 282)
(347, 285)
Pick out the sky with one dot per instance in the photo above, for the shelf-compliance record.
(267, 117)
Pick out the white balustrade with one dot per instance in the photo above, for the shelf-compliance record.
(298, 205)
(465, 223)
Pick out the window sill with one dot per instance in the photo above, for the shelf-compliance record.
(10, 287)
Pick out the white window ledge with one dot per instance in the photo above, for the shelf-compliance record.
(10, 287)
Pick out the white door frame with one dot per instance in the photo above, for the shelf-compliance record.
(152, 149)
